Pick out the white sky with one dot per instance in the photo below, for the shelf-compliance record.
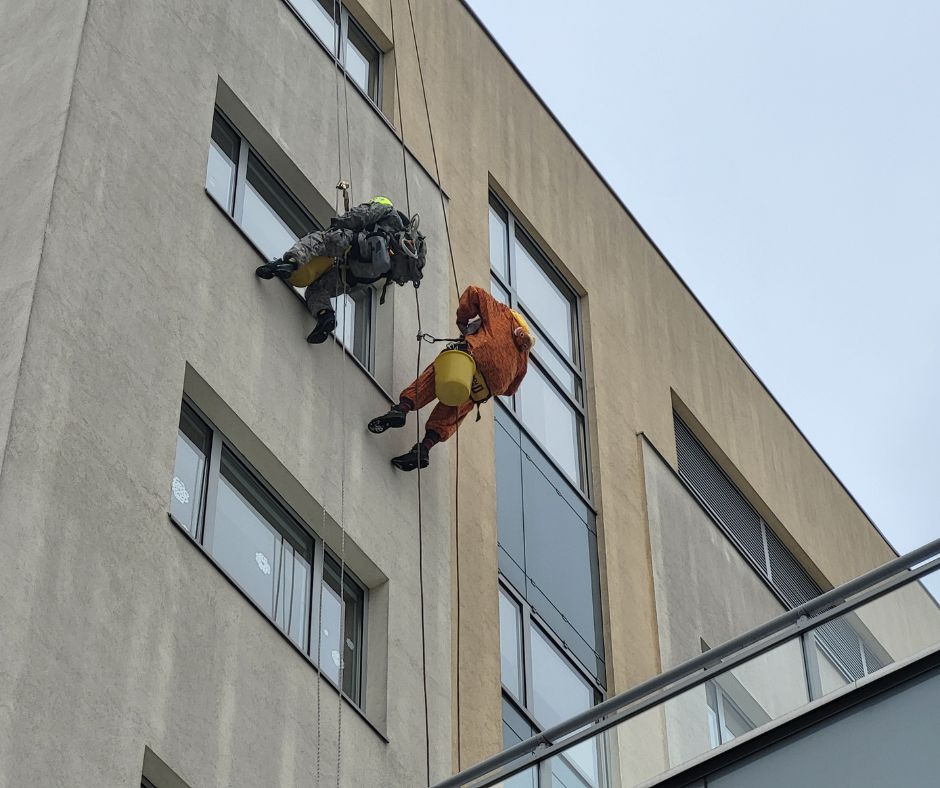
(786, 158)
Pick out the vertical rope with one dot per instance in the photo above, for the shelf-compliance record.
(342, 550)
(404, 165)
(339, 169)
(401, 118)
(453, 266)
(424, 651)
(437, 169)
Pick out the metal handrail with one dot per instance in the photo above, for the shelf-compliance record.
(810, 615)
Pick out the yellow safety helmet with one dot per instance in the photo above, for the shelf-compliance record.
(382, 201)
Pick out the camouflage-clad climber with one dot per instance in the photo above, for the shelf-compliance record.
(358, 248)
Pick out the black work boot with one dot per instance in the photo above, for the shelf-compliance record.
(282, 269)
(416, 458)
(394, 419)
(326, 322)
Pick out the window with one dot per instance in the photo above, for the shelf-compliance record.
(359, 56)
(288, 573)
(548, 544)
(541, 688)
(725, 720)
(550, 402)
(838, 640)
(248, 191)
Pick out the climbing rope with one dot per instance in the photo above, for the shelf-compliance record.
(344, 187)
(437, 169)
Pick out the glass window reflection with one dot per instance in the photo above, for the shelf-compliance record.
(499, 248)
(545, 301)
(560, 693)
(510, 645)
(248, 538)
(193, 443)
(551, 420)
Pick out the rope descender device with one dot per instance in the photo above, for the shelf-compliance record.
(343, 186)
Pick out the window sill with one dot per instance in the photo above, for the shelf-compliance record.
(349, 701)
(365, 370)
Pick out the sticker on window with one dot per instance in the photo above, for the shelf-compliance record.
(262, 560)
(179, 490)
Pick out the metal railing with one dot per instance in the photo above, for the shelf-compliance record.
(537, 752)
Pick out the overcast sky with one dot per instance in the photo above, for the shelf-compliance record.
(786, 158)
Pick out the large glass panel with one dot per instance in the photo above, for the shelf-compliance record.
(562, 373)
(510, 645)
(561, 564)
(221, 167)
(192, 449)
(560, 693)
(551, 420)
(499, 248)
(509, 501)
(499, 292)
(550, 306)
(761, 690)
(331, 613)
(896, 627)
(353, 608)
(319, 15)
(270, 216)
(362, 61)
(259, 546)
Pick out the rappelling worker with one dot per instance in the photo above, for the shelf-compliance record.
(499, 339)
(367, 243)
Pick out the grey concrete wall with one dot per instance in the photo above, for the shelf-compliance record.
(118, 633)
(39, 45)
(706, 591)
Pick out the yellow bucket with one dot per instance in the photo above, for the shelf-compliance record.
(307, 274)
(453, 376)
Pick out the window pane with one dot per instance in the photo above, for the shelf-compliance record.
(192, 448)
(515, 730)
(552, 421)
(499, 292)
(560, 562)
(352, 611)
(220, 176)
(330, 616)
(319, 15)
(255, 541)
(545, 300)
(270, 216)
(561, 693)
(510, 645)
(499, 249)
(362, 61)
(354, 323)
(225, 137)
(555, 364)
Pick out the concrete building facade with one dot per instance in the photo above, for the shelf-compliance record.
(171, 448)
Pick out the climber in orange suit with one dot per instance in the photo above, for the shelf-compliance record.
(499, 340)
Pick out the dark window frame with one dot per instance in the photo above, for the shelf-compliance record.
(362, 348)
(322, 555)
(575, 366)
(524, 707)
